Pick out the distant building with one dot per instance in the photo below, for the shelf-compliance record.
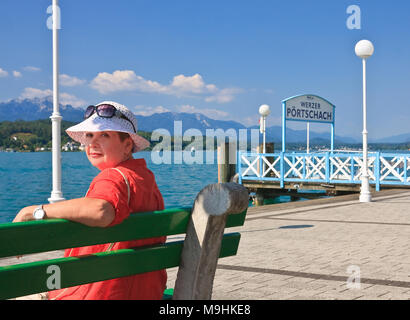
(69, 146)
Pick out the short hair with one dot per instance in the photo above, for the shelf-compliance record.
(123, 135)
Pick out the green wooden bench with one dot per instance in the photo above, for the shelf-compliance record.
(216, 207)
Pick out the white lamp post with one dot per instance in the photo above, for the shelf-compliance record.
(364, 49)
(307, 137)
(264, 111)
(56, 194)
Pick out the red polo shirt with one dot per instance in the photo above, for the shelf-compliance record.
(109, 185)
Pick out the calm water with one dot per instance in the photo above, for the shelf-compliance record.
(26, 179)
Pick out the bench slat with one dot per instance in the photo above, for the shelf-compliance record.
(54, 234)
(29, 278)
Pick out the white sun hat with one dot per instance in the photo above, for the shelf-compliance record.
(96, 123)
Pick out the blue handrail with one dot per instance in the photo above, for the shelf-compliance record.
(325, 167)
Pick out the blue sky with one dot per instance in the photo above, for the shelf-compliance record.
(221, 58)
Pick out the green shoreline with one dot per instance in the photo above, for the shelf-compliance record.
(29, 136)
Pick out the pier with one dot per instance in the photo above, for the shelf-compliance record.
(290, 173)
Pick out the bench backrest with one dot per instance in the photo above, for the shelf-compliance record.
(54, 234)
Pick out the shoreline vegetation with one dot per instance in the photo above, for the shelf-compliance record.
(35, 136)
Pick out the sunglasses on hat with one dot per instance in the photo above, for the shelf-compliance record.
(106, 111)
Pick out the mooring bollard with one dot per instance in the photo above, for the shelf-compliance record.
(226, 162)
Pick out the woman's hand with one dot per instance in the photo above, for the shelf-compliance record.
(89, 211)
(25, 214)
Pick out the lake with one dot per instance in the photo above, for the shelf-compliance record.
(26, 179)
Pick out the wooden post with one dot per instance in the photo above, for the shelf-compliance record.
(226, 162)
(204, 234)
(258, 200)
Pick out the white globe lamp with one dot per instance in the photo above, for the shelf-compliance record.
(264, 110)
(364, 49)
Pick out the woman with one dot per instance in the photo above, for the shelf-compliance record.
(124, 185)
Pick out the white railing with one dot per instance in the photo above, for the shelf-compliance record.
(384, 168)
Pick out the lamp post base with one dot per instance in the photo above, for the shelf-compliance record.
(365, 197)
(365, 194)
(56, 196)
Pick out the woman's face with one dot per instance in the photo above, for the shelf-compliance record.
(106, 150)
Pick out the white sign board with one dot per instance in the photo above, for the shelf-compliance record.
(309, 108)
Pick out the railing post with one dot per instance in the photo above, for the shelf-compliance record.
(282, 169)
(327, 168)
(405, 169)
(351, 168)
(377, 171)
(239, 167)
(204, 234)
(331, 165)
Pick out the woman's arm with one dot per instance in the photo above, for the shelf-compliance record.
(89, 211)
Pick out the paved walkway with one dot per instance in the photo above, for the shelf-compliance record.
(318, 249)
(315, 250)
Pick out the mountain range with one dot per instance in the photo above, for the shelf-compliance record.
(34, 109)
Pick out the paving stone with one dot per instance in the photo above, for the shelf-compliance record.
(313, 263)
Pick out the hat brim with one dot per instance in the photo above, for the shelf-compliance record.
(98, 124)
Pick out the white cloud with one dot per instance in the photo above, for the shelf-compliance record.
(3, 73)
(192, 84)
(123, 80)
(180, 86)
(253, 120)
(210, 113)
(65, 98)
(224, 95)
(31, 68)
(17, 74)
(187, 108)
(147, 111)
(31, 93)
(69, 81)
